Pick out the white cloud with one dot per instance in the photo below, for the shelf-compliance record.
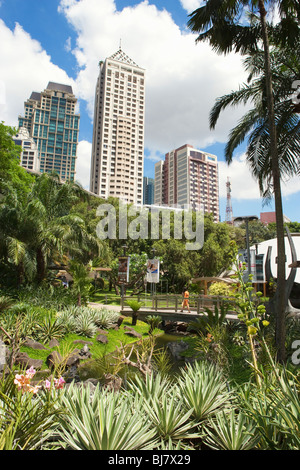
(243, 185)
(83, 163)
(182, 79)
(25, 67)
(191, 5)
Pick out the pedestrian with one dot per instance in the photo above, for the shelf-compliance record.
(185, 302)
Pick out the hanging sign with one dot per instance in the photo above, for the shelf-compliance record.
(123, 270)
(153, 270)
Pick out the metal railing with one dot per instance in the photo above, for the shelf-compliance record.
(173, 302)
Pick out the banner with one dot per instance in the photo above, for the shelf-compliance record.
(123, 270)
(153, 270)
(257, 265)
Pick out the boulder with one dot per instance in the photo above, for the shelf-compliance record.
(54, 359)
(120, 320)
(102, 339)
(176, 348)
(31, 343)
(22, 359)
(84, 352)
(131, 332)
(101, 332)
(53, 343)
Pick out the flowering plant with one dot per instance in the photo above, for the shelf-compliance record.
(58, 383)
(23, 382)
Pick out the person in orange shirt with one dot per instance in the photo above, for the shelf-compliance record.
(185, 302)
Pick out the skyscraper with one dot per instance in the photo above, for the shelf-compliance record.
(188, 177)
(148, 190)
(118, 135)
(50, 119)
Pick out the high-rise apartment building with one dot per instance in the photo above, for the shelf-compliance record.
(117, 162)
(51, 120)
(188, 177)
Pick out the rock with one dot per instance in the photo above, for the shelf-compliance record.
(54, 359)
(101, 332)
(53, 343)
(120, 320)
(22, 359)
(182, 327)
(84, 352)
(112, 382)
(73, 359)
(176, 348)
(102, 339)
(31, 343)
(132, 332)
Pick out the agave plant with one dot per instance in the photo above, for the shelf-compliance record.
(49, 329)
(231, 431)
(103, 421)
(104, 318)
(85, 326)
(154, 387)
(170, 419)
(203, 389)
(275, 409)
(67, 320)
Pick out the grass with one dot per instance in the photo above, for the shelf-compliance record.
(97, 349)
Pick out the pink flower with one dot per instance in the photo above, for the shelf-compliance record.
(47, 384)
(23, 382)
(30, 372)
(59, 383)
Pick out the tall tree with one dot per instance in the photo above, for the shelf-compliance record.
(222, 23)
(40, 228)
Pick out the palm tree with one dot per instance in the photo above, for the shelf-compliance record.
(222, 23)
(254, 124)
(82, 284)
(39, 227)
(15, 233)
(58, 231)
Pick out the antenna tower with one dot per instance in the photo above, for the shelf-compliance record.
(229, 213)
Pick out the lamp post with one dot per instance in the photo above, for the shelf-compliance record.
(153, 285)
(122, 284)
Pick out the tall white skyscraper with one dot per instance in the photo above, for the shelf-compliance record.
(118, 135)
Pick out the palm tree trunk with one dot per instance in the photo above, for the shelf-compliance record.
(280, 307)
(40, 265)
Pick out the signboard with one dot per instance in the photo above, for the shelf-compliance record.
(257, 265)
(123, 270)
(153, 270)
(259, 269)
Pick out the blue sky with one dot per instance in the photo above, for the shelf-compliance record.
(63, 40)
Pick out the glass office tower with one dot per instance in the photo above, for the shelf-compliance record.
(51, 120)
